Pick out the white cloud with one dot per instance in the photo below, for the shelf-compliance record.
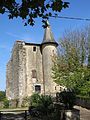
(20, 37)
(13, 35)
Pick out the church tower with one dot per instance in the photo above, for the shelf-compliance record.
(49, 48)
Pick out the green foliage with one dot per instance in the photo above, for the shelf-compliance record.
(40, 100)
(44, 108)
(67, 98)
(6, 103)
(2, 95)
(70, 68)
(34, 99)
(45, 100)
(85, 89)
(25, 102)
(71, 77)
(83, 97)
(28, 10)
(4, 99)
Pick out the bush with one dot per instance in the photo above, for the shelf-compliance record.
(25, 102)
(83, 97)
(6, 103)
(34, 99)
(68, 98)
(2, 95)
(3, 100)
(42, 107)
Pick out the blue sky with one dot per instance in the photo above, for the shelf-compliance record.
(12, 30)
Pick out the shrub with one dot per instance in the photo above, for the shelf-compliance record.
(25, 102)
(68, 98)
(6, 103)
(34, 99)
(2, 95)
(42, 107)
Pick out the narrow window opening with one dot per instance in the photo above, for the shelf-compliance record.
(34, 49)
(55, 87)
(53, 52)
(34, 74)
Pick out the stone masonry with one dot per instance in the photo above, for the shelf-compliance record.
(29, 69)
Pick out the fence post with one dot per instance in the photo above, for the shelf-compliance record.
(25, 114)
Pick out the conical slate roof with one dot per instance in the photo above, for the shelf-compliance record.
(48, 36)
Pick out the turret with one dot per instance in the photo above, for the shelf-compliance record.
(48, 37)
(49, 48)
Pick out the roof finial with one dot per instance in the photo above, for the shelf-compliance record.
(48, 23)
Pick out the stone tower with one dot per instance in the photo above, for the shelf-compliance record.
(49, 48)
(29, 69)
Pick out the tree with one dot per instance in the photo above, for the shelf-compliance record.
(84, 89)
(28, 10)
(4, 99)
(41, 106)
(2, 95)
(71, 68)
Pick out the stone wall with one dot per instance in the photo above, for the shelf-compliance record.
(73, 114)
(22, 79)
(15, 74)
(83, 102)
(25, 58)
(33, 62)
(12, 74)
(47, 53)
(19, 71)
(9, 80)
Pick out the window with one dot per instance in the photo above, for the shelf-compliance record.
(34, 74)
(53, 51)
(55, 87)
(37, 88)
(34, 48)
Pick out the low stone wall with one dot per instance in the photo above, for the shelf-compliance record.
(83, 102)
(73, 114)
